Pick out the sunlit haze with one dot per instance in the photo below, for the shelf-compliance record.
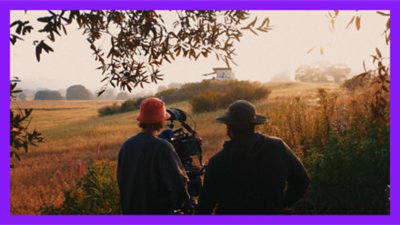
(259, 58)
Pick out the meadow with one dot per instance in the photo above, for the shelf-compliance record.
(320, 125)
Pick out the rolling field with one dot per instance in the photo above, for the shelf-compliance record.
(75, 136)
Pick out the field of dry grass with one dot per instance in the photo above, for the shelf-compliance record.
(75, 136)
(285, 89)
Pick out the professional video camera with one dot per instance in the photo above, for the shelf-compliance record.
(188, 146)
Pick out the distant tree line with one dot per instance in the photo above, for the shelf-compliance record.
(75, 92)
(323, 73)
(48, 95)
(207, 95)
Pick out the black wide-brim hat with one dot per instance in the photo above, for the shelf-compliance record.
(241, 112)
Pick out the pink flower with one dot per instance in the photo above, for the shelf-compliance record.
(69, 164)
(79, 166)
(98, 150)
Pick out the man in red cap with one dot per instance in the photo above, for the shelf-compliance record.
(151, 177)
(252, 174)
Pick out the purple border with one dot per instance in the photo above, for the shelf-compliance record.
(6, 6)
(203, 4)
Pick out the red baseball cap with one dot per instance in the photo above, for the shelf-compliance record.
(152, 110)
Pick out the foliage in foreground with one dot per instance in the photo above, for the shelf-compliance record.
(344, 144)
(344, 140)
(96, 193)
(20, 136)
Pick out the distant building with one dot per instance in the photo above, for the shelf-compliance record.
(222, 73)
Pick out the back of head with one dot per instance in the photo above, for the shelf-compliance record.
(241, 118)
(240, 130)
(152, 113)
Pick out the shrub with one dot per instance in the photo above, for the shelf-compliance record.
(344, 147)
(206, 102)
(109, 110)
(213, 100)
(128, 105)
(350, 175)
(171, 95)
(191, 90)
(95, 193)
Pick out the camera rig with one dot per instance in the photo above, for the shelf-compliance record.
(188, 146)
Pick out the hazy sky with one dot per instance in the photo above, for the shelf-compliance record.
(259, 57)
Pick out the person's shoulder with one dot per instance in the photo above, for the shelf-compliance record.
(217, 156)
(131, 140)
(164, 143)
(162, 146)
(220, 155)
(127, 145)
(137, 140)
(273, 140)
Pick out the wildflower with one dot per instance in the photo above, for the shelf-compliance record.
(98, 151)
(69, 164)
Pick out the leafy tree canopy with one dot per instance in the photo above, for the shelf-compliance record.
(78, 92)
(48, 95)
(141, 40)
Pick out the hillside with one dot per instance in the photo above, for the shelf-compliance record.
(75, 136)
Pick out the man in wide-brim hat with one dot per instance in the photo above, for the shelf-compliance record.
(252, 174)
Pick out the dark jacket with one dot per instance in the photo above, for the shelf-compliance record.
(250, 176)
(151, 178)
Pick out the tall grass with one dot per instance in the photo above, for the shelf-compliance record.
(95, 193)
(343, 145)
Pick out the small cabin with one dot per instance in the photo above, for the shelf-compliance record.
(222, 73)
